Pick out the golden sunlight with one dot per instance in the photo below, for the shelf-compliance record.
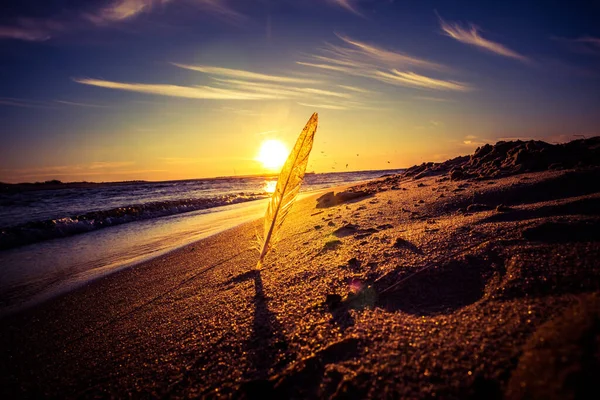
(272, 154)
(269, 186)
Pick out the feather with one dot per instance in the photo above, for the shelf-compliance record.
(288, 185)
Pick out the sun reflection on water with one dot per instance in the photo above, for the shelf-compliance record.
(269, 186)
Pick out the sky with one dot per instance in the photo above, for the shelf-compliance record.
(114, 90)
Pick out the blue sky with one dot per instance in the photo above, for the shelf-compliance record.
(176, 89)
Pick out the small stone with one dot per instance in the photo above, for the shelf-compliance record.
(478, 207)
(353, 262)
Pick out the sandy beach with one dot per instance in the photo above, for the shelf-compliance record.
(446, 282)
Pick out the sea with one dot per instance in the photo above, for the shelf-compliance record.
(53, 240)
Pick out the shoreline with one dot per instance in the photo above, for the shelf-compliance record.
(416, 288)
(209, 223)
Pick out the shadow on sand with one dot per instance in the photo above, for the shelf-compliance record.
(267, 344)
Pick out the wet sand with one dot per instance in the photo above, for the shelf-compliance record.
(416, 288)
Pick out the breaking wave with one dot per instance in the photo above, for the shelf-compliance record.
(36, 231)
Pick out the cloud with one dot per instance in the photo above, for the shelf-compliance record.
(189, 92)
(77, 104)
(326, 66)
(279, 90)
(26, 103)
(325, 106)
(348, 5)
(33, 33)
(584, 44)
(437, 99)
(107, 13)
(355, 89)
(120, 10)
(415, 80)
(110, 164)
(230, 89)
(394, 58)
(473, 37)
(221, 9)
(391, 67)
(241, 74)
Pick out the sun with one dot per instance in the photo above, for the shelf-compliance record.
(272, 154)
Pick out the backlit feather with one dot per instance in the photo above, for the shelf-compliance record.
(288, 185)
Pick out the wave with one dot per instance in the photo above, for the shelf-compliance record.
(37, 231)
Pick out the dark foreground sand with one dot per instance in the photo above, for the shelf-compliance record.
(420, 288)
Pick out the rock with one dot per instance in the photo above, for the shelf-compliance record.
(478, 207)
(330, 199)
(345, 230)
(353, 262)
(385, 226)
(456, 174)
(332, 244)
(326, 200)
(423, 174)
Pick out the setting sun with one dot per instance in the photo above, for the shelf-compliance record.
(272, 154)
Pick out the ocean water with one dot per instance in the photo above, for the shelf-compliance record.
(54, 240)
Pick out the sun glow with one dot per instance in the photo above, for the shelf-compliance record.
(270, 186)
(272, 154)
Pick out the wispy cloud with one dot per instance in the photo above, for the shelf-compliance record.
(26, 103)
(415, 80)
(348, 5)
(280, 90)
(392, 58)
(328, 67)
(242, 74)
(120, 10)
(222, 9)
(370, 61)
(110, 164)
(263, 87)
(29, 30)
(436, 99)
(325, 106)
(472, 36)
(583, 44)
(355, 89)
(189, 92)
(116, 11)
(77, 104)
(42, 29)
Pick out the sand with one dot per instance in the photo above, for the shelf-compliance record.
(415, 288)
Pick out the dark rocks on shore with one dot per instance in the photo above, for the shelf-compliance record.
(330, 199)
(514, 157)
